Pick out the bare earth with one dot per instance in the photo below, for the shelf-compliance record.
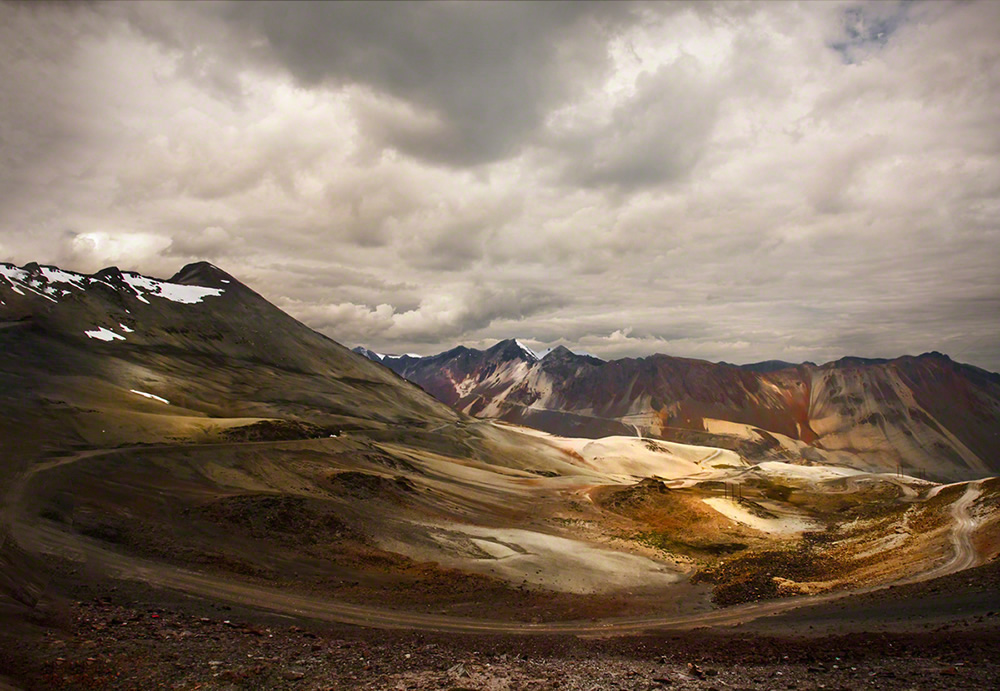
(99, 615)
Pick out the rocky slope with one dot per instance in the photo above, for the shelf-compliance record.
(926, 415)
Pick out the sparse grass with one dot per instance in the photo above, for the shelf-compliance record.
(752, 576)
(670, 544)
(770, 489)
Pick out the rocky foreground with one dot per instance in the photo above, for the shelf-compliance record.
(119, 635)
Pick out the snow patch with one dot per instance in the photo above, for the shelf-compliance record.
(188, 295)
(126, 329)
(527, 351)
(149, 395)
(18, 279)
(12, 273)
(53, 275)
(103, 334)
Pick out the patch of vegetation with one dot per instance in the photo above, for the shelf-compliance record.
(152, 540)
(667, 542)
(105, 531)
(375, 456)
(754, 576)
(636, 495)
(575, 522)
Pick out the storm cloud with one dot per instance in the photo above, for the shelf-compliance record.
(734, 182)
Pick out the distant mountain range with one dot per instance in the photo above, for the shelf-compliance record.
(925, 414)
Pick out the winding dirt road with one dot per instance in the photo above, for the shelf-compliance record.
(43, 536)
(964, 554)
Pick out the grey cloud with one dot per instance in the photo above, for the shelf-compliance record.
(208, 243)
(706, 181)
(655, 137)
(474, 308)
(441, 315)
(483, 75)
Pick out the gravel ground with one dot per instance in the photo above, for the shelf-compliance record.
(126, 636)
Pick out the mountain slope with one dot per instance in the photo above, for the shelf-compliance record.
(927, 414)
(204, 342)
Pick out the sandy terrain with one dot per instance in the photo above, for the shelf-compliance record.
(538, 559)
(778, 525)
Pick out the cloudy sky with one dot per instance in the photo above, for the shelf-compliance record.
(733, 182)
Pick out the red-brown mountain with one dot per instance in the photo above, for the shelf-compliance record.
(926, 414)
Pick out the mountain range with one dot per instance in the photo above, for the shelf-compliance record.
(216, 350)
(925, 414)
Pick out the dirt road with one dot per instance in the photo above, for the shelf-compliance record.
(965, 555)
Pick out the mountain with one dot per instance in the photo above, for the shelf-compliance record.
(766, 366)
(926, 414)
(385, 358)
(79, 347)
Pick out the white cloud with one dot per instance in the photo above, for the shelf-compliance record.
(104, 248)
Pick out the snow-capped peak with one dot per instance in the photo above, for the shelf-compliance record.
(527, 351)
(382, 357)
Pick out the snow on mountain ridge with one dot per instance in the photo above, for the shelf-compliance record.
(528, 351)
(53, 283)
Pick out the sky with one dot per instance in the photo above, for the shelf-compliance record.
(733, 182)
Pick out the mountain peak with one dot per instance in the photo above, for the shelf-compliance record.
(368, 353)
(527, 351)
(513, 349)
(560, 351)
(109, 272)
(203, 274)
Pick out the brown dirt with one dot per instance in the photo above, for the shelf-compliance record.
(675, 521)
(119, 635)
